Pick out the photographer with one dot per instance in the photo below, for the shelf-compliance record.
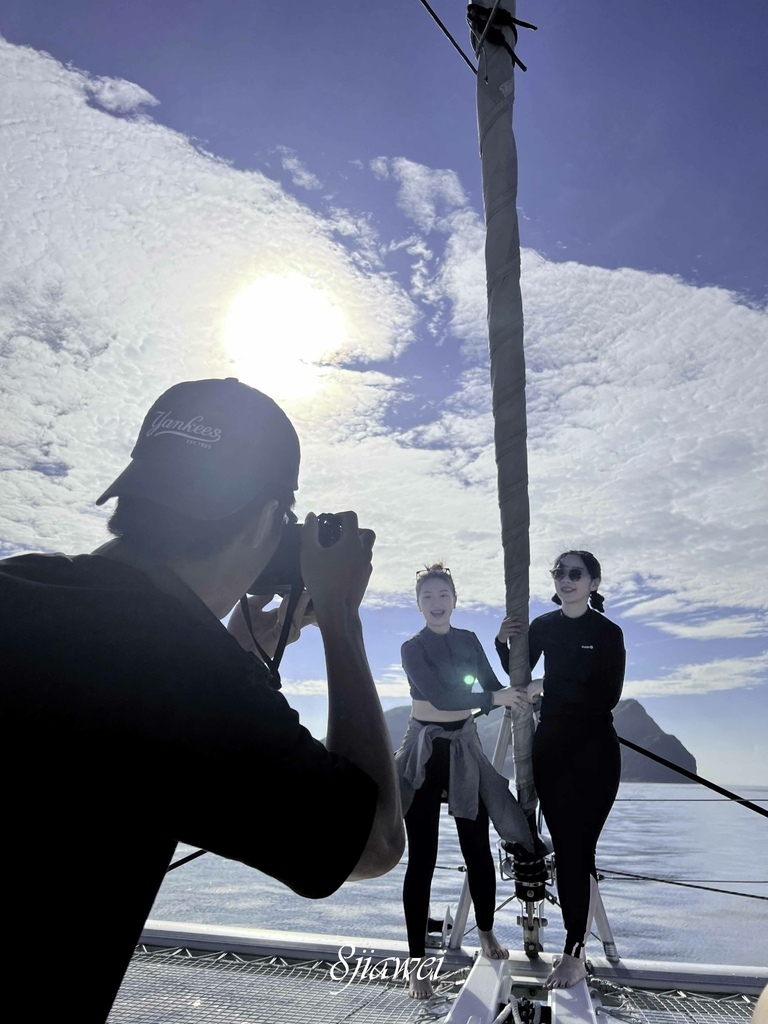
(134, 720)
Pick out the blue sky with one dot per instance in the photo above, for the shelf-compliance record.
(208, 188)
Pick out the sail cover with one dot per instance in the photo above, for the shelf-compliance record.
(494, 38)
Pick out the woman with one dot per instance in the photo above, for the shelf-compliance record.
(576, 757)
(441, 751)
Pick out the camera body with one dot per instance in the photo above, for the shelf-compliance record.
(283, 571)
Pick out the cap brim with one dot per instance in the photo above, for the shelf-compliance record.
(181, 489)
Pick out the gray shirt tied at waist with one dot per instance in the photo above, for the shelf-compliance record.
(472, 778)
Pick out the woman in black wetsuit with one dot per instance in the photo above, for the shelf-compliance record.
(576, 756)
(442, 664)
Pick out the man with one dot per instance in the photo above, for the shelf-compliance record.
(134, 720)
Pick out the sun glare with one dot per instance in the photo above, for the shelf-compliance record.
(278, 332)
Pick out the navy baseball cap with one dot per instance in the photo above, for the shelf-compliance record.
(207, 447)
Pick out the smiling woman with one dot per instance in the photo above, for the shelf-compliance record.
(280, 330)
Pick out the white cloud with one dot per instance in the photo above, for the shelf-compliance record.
(671, 615)
(426, 195)
(390, 683)
(123, 249)
(393, 683)
(124, 246)
(305, 687)
(720, 674)
(301, 176)
(117, 96)
(647, 412)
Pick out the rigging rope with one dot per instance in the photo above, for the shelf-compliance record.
(696, 778)
(448, 34)
(185, 860)
(491, 21)
(678, 800)
(630, 876)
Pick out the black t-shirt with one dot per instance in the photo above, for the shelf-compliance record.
(584, 660)
(132, 720)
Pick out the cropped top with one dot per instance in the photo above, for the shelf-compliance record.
(442, 668)
(584, 660)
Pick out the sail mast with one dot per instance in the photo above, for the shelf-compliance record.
(494, 38)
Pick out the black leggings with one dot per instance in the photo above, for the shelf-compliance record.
(576, 771)
(422, 824)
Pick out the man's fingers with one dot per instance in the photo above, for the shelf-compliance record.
(349, 527)
(309, 533)
(349, 530)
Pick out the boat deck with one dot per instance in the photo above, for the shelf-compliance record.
(179, 986)
(245, 981)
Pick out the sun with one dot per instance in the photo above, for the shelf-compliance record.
(280, 330)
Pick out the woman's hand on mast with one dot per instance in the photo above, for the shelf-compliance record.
(535, 689)
(515, 697)
(510, 626)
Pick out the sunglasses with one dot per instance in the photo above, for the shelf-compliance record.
(433, 572)
(561, 572)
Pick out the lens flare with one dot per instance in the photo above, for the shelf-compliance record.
(280, 331)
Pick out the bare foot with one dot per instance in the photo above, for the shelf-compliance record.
(491, 946)
(419, 986)
(568, 971)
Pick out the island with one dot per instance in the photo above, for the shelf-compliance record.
(632, 722)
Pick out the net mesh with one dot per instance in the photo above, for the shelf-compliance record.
(677, 1007)
(181, 986)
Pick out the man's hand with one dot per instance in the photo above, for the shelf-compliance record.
(336, 577)
(267, 626)
(510, 627)
(514, 697)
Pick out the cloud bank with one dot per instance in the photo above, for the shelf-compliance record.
(126, 248)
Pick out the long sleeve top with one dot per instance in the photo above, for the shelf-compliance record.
(584, 661)
(442, 668)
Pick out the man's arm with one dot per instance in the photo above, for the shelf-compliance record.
(336, 578)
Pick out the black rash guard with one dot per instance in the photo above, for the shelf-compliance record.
(584, 660)
(442, 668)
(576, 756)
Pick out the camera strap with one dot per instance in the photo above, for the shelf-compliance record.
(273, 662)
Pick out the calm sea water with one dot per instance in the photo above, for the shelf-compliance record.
(669, 831)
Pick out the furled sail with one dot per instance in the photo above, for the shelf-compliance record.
(493, 37)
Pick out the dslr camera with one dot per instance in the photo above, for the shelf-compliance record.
(283, 572)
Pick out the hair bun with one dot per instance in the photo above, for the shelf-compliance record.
(556, 599)
(597, 601)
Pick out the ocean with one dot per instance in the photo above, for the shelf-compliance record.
(679, 832)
